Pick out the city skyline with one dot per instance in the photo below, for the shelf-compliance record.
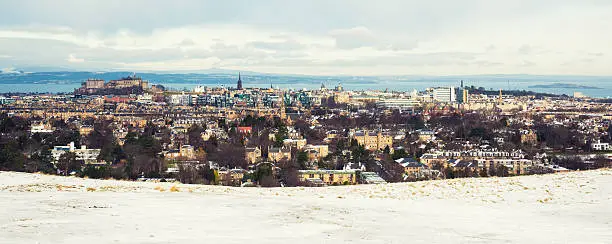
(313, 38)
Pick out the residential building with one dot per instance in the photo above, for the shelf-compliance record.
(276, 154)
(82, 154)
(180, 99)
(373, 140)
(426, 135)
(514, 166)
(431, 159)
(411, 166)
(41, 128)
(185, 152)
(528, 137)
(601, 146)
(252, 155)
(245, 129)
(295, 143)
(85, 129)
(321, 150)
(329, 177)
(398, 103)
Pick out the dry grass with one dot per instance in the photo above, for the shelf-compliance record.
(174, 189)
(91, 189)
(159, 188)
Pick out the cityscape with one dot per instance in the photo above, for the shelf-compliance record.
(185, 125)
(236, 136)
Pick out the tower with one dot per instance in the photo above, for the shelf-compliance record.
(500, 97)
(239, 86)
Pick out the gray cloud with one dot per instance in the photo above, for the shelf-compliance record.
(438, 36)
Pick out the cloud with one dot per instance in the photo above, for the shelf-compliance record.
(355, 37)
(313, 37)
(74, 59)
(525, 49)
(596, 54)
(360, 36)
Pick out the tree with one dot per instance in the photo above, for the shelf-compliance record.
(67, 163)
(264, 175)
(96, 172)
(502, 171)
(40, 162)
(229, 155)
(280, 136)
(10, 157)
(392, 171)
(360, 154)
(483, 172)
(195, 136)
(602, 161)
(399, 153)
(340, 145)
(186, 174)
(289, 172)
(302, 159)
(142, 156)
(387, 150)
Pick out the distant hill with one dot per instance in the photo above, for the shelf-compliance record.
(564, 85)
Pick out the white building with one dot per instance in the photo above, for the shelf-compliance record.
(601, 146)
(181, 99)
(399, 103)
(199, 89)
(444, 94)
(83, 153)
(41, 128)
(145, 98)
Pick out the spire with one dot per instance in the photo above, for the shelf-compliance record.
(239, 86)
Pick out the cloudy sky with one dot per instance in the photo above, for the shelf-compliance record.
(386, 37)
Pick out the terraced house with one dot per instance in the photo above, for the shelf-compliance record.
(327, 177)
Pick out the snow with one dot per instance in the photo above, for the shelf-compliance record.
(561, 208)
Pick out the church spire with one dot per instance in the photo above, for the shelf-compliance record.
(239, 87)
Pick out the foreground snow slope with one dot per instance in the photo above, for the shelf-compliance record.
(563, 208)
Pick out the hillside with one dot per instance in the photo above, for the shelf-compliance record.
(568, 208)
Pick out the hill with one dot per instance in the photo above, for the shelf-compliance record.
(569, 208)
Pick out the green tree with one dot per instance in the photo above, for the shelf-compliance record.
(96, 172)
(67, 163)
(11, 157)
(302, 159)
(280, 136)
(399, 153)
(41, 162)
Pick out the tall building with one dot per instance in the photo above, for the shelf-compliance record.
(444, 94)
(239, 87)
(462, 97)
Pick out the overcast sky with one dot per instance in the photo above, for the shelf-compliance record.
(384, 37)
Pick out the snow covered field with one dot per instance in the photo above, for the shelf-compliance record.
(563, 208)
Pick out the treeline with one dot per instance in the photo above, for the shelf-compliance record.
(483, 91)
